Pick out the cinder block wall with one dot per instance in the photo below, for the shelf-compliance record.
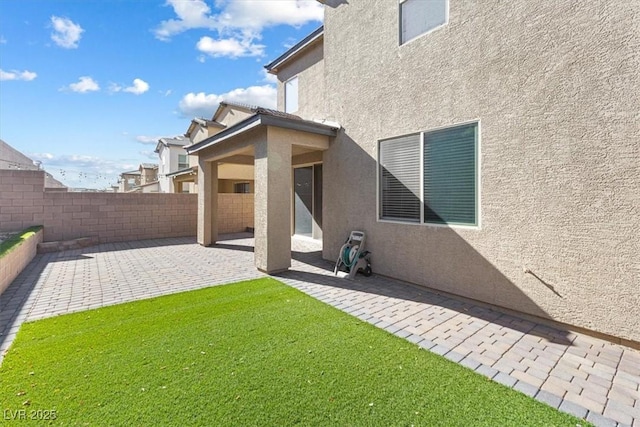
(108, 217)
(235, 212)
(21, 199)
(115, 217)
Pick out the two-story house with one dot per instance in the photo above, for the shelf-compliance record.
(488, 149)
(173, 159)
(144, 179)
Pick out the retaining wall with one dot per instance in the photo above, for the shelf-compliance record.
(14, 261)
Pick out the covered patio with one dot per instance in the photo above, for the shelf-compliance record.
(274, 143)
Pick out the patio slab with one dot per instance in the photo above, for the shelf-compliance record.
(574, 372)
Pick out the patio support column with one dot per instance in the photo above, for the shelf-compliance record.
(272, 206)
(207, 202)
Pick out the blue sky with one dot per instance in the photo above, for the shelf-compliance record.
(88, 86)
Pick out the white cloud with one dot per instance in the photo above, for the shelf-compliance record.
(84, 85)
(204, 105)
(233, 48)
(259, 14)
(83, 171)
(66, 33)
(3, 40)
(267, 77)
(152, 155)
(238, 23)
(138, 87)
(190, 14)
(17, 75)
(145, 139)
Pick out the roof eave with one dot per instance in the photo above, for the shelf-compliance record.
(264, 120)
(188, 170)
(273, 66)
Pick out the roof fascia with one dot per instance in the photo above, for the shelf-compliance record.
(317, 34)
(264, 120)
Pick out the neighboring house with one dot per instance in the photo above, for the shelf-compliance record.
(144, 179)
(129, 181)
(488, 149)
(200, 129)
(173, 159)
(234, 176)
(10, 158)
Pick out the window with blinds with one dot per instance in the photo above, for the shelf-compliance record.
(400, 178)
(430, 177)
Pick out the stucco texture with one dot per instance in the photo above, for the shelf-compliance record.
(554, 87)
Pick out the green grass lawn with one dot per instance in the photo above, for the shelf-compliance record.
(252, 353)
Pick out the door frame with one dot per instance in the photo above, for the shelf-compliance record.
(316, 229)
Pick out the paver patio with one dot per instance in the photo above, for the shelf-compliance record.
(576, 373)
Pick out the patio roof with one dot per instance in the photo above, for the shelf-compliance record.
(186, 171)
(265, 117)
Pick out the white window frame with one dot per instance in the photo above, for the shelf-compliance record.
(287, 109)
(186, 158)
(430, 30)
(478, 225)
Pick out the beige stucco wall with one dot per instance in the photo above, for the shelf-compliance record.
(309, 67)
(555, 88)
(235, 171)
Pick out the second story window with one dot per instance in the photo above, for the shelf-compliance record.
(183, 162)
(291, 95)
(421, 16)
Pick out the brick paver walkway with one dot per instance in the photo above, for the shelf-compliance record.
(576, 373)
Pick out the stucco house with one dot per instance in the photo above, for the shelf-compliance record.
(233, 177)
(488, 149)
(173, 159)
(144, 179)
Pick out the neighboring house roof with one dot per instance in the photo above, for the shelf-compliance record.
(10, 158)
(266, 117)
(148, 184)
(135, 172)
(316, 35)
(186, 171)
(235, 105)
(178, 141)
(199, 121)
(51, 182)
(148, 166)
